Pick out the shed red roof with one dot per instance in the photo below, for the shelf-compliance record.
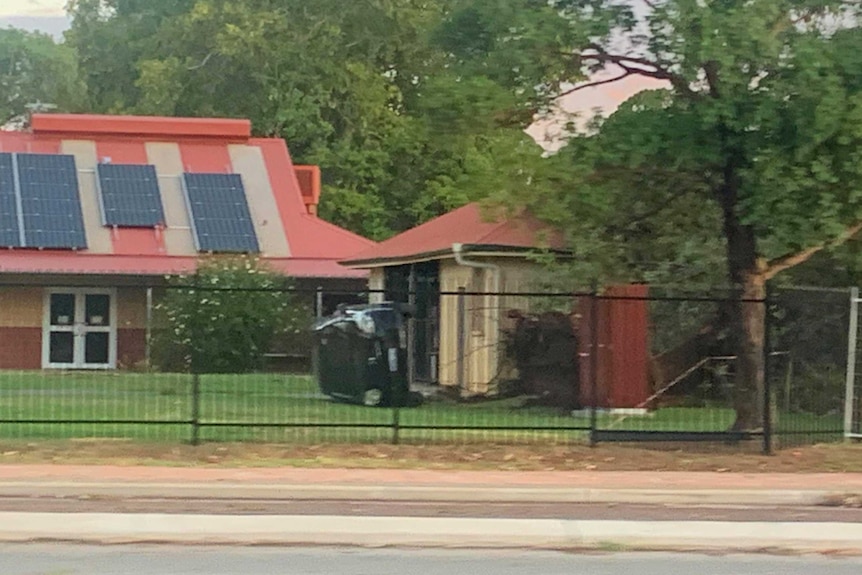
(470, 225)
(291, 238)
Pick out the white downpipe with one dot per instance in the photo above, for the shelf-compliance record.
(458, 250)
(492, 301)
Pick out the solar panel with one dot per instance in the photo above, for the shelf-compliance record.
(50, 202)
(219, 211)
(10, 233)
(130, 196)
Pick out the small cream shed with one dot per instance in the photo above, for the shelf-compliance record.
(456, 337)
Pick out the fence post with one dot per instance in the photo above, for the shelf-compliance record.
(318, 314)
(767, 386)
(850, 381)
(148, 354)
(196, 407)
(594, 366)
(411, 327)
(462, 320)
(396, 416)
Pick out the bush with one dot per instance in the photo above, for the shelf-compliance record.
(225, 317)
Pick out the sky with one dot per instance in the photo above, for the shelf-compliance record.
(32, 7)
(44, 15)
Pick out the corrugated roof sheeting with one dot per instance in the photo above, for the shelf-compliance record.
(468, 225)
(311, 247)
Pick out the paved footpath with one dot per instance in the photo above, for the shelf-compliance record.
(293, 475)
(89, 482)
(433, 485)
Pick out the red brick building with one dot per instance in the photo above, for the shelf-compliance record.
(76, 259)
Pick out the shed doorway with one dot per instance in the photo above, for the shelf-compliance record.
(419, 284)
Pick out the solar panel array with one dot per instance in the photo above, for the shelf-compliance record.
(130, 195)
(221, 219)
(10, 232)
(50, 202)
(40, 204)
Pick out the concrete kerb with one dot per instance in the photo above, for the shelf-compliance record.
(109, 528)
(425, 493)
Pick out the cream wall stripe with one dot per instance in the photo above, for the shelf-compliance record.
(168, 161)
(20, 307)
(98, 236)
(131, 308)
(248, 162)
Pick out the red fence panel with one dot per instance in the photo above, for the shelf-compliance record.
(623, 347)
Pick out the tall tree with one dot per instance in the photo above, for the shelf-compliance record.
(759, 129)
(358, 87)
(35, 70)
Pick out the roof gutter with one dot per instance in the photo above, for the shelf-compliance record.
(458, 251)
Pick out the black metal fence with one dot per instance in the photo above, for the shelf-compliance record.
(808, 364)
(626, 365)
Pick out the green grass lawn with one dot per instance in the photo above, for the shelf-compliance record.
(289, 408)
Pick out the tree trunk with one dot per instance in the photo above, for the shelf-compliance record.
(747, 318)
(749, 335)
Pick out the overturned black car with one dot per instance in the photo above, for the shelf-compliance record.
(361, 355)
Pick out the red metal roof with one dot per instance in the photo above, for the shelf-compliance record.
(309, 246)
(72, 263)
(470, 225)
(140, 126)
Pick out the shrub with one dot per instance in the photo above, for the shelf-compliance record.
(225, 317)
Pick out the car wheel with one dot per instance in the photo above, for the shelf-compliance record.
(372, 397)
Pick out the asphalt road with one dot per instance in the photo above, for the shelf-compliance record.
(46, 559)
(430, 509)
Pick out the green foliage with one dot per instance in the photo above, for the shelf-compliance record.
(226, 316)
(34, 69)
(362, 88)
(748, 154)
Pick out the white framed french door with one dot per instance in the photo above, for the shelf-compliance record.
(79, 329)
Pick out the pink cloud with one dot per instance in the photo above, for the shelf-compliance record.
(606, 98)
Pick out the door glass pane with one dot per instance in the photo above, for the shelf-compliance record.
(62, 347)
(62, 308)
(96, 348)
(98, 308)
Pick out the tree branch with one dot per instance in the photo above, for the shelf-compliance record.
(202, 63)
(644, 67)
(778, 265)
(711, 71)
(620, 59)
(626, 72)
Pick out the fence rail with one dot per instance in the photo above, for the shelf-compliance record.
(513, 366)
